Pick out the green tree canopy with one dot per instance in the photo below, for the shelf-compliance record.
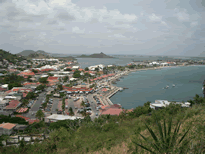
(43, 80)
(86, 69)
(39, 114)
(71, 111)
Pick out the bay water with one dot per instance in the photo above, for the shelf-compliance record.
(148, 85)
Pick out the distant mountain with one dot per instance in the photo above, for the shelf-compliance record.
(95, 55)
(7, 57)
(202, 54)
(27, 53)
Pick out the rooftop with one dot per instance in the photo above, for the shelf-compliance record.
(7, 125)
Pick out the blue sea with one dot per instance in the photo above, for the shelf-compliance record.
(148, 85)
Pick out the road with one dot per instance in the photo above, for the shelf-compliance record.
(38, 102)
(55, 105)
(70, 103)
(93, 107)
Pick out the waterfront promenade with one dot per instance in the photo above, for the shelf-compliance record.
(105, 99)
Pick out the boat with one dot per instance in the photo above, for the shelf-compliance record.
(202, 88)
(125, 88)
(121, 89)
(173, 85)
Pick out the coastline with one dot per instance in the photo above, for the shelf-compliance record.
(119, 75)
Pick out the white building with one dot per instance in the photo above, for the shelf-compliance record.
(56, 117)
(75, 67)
(50, 67)
(100, 66)
(164, 64)
(73, 79)
(46, 60)
(164, 103)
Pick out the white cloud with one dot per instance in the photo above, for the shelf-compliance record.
(182, 15)
(194, 23)
(77, 30)
(154, 18)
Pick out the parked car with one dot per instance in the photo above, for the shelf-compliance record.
(96, 114)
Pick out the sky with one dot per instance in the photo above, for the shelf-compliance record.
(145, 27)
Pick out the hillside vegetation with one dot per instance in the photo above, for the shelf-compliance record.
(11, 58)
(95, 55)
(120, 134)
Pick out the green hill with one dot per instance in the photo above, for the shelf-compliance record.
(11, 58)
(120, 134)
(95, 55)
(26, 52)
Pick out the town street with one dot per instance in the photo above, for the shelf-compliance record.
(55, 105)
(93, 107)
(38, 102)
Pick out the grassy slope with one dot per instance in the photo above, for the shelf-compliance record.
(116, 138)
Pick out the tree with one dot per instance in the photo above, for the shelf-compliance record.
(97, 69)
(43, 80)
(60, 87)
(167, 142)
(34, 71)
(39, 114)
(71, 111)
(83, 104)
(44, 105)
(30, 95)
(41, 87)
(65, 78)
(84, 113)
(86, 69)
(76, 74)
(67, 69)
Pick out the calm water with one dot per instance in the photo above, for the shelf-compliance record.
(86, 62)
(147, 85)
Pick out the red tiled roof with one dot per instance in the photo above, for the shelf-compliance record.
(47, 69)
(80, 69)
(26, 118)
(104, 89)
(52, 78)
(31, 83)
(2, 89)
(26, 73)
(112, 111)
(7, 125)
(33, 120)
(22, 110)
(12, 104)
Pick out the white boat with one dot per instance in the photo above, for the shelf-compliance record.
(173, 85)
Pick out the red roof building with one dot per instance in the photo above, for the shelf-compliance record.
(26, 74)
(13, 105)
(112, 111)
(47, 70)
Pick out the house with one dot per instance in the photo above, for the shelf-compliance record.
(114, 109)
(75, 67)
(57, 117)
(164, 64)
(13, 105)
(159, 104)
(52, 80)
(3, 103)
(7, 128)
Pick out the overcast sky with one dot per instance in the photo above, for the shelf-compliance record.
(146, 27)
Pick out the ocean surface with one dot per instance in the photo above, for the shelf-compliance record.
(148, 85)
(86, 62)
